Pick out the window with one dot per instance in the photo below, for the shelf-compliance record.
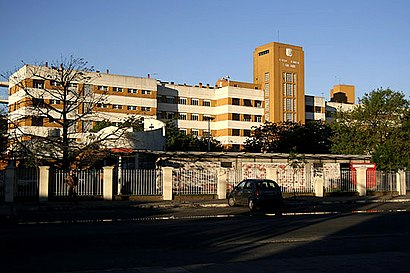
(258, 118)
(263, 52)
(102, 105)
(102, 88)
(182, 100)
(247, 133)
(146, 92)
(236, 116)
(247, 102)
(247, 117)
(258, 104)
(132, 90)
(266, 76)
(194, 101)
(117, 89)
(289, 90)
(236, 101)
(236, 132)
(52, 101)
(38, 84)
(184, 131)
(182, 116)
(289, 77)
(38, 102)
(132, 107)
(206, 117)
(289, 104)
(116, 106)
(206, 103)
(194, 117)
(318, 109)
(37, 121)
(170, 115)
(55, 83)
(145, 109)
(195, 132)
(267, 89)
(170, 99)
(74, 85)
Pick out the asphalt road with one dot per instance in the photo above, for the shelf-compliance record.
(373, 238)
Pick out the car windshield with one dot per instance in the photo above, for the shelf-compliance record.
(268, 185)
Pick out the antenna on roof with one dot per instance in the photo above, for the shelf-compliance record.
(278, 36)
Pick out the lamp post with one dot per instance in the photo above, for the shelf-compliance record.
(209, 132)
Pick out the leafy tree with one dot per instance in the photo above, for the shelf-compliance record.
(284, 137)
(62, 94)
(378, 126)
(176, 140)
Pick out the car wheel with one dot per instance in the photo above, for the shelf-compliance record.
(251, 205)
(231, 202)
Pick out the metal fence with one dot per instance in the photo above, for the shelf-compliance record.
(194, 181)
(294, 181)
(344, 181)
(26, 182)
(2, 183)
(381, 181)
(141, 182)
(89, 182)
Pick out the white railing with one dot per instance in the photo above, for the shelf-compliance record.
(194, 181)
(294, 181)
(89, 182)
(381, 181)
(141, 182)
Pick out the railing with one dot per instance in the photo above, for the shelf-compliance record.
(26, 182)
(141, 182)
(344, 181)
(89, 182)
(197, 181)
(2, 183)
(383, 181)
(294, 181)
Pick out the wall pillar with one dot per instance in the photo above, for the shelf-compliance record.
(108, 175)
(272, 173)
(318, 181)
(10, 182)
(44, 182)
(167, 183)
(361, 180)
(221, 188)
(401, 182)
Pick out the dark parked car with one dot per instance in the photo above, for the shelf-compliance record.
(256, 193)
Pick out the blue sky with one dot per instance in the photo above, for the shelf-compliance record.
(363, 43)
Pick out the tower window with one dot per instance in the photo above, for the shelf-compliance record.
(263, 52)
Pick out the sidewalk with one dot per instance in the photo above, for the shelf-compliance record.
(6, 208)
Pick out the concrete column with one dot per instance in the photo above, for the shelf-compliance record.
(272, 173)
(221, 189)
(44, 181)
(361, 180)
(108, 175)
(167, 183)
(10, 182)
(318, 184)
(401, 182)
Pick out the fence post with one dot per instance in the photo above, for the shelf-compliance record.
(107, 182)
(318, 181)
(401, 182)
(10, 182)
(167, 183)
(44, 181)
(221, 188)
(361, 180)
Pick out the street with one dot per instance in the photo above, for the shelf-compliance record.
(371, 238)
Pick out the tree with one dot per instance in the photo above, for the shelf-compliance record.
(176, 140)
(378, 126)
(3, 133)
(283, 137)
(61, 94)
